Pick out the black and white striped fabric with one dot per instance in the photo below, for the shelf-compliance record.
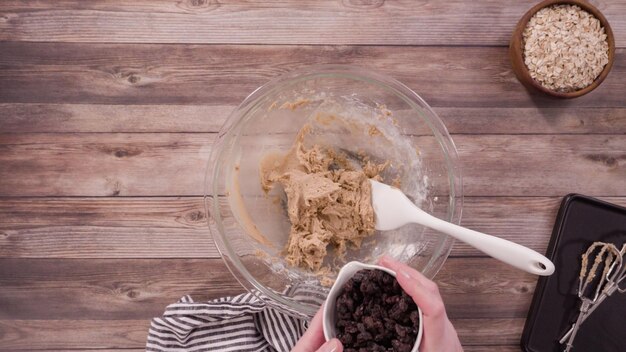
(242, 323)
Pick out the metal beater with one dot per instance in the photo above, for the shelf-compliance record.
(593, 291)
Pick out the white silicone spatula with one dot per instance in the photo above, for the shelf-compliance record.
(393, 209)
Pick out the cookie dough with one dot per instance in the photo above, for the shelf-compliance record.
(328, 200)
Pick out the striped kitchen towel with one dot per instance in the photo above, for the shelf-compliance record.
(242, 323)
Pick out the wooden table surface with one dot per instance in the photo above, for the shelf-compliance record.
(108, 112)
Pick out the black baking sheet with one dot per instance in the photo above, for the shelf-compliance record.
(580, 222)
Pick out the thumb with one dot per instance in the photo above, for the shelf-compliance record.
(333, 345)
(313, 337)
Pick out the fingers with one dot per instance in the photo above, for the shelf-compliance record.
(333, 345)
(313, 337)
(423, 291)
(397, 266)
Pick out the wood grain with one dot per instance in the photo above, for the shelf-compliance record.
(109, 110)
(119, 297)
(103, 164)
(101, 228)
(163, 164)
(484, 288)
(127, 289)
(131, 334)
(533, 120)
(68, 118)
(73, 334)
(107, 289)
(527, 221)
(226, 74)
(104, 228)
(21, 118)
(483, 22)
(486, 332)
(508, 165)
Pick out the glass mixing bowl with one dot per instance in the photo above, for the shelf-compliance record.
(355, 111)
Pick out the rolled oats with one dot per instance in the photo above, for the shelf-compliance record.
(565, 47)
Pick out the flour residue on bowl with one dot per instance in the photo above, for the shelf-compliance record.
(325, 177)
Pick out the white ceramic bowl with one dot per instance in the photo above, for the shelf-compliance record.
(344, 275)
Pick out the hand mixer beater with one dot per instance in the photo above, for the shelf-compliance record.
(602, 272)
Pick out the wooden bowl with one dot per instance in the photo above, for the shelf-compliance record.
(516, 49)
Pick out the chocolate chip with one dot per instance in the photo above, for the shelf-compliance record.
(375, 314)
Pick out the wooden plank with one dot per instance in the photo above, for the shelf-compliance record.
(543, 165)
(104, 228)
(131, 334)
(533, 120)
(73, 334)
(225, 74)
(484, 22)
(107, 289)
(483, 332)
(527, 221)
(173, 164)
(104, 164)
(175, 227)
(66, 118)
(484, 288)
(20, 118)
(114, 289)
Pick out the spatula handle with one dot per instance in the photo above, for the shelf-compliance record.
(509, 252)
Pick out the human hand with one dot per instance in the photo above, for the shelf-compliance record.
(313, 339)
(439, 334)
